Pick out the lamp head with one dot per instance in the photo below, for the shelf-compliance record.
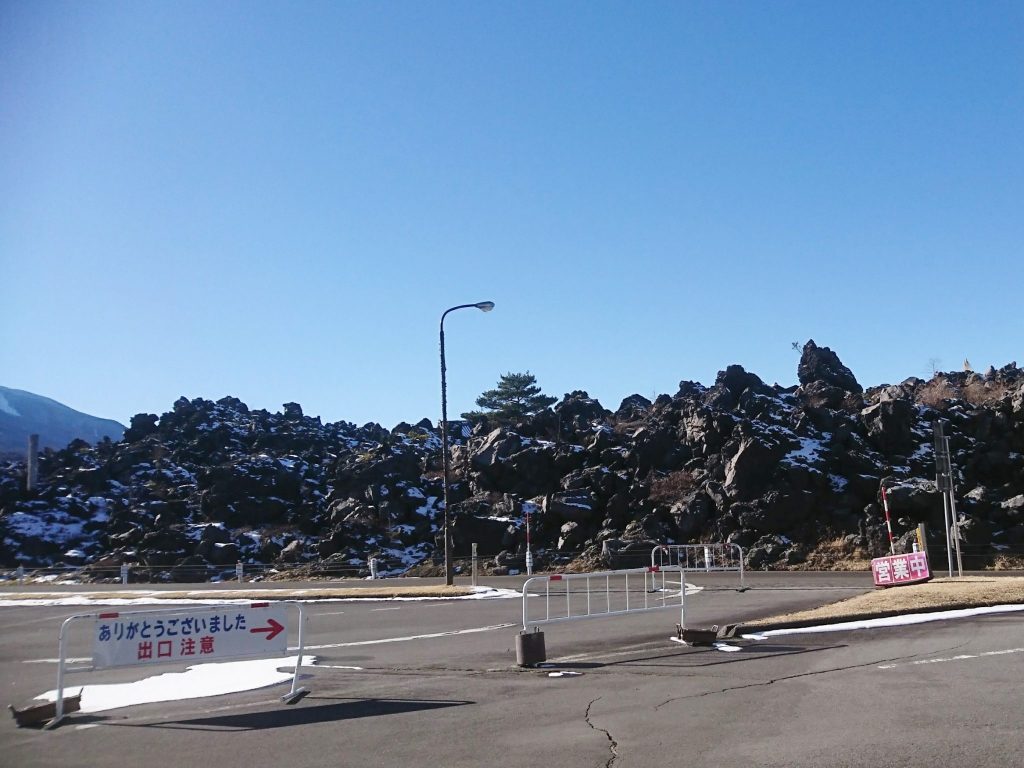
(485, 306)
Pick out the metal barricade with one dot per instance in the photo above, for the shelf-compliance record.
(715, 557)
(151, 624)
(602, 593)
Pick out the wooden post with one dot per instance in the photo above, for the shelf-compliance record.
(33, 463)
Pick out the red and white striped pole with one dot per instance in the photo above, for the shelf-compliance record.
(888, 521)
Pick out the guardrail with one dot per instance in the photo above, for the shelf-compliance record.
(603, 593)
(715, 557)
(157, 574)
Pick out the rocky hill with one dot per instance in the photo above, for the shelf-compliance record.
(791, 474)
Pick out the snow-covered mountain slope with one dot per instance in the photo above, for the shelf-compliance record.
(24, 413)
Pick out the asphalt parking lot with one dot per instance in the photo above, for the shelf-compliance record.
(435, 683)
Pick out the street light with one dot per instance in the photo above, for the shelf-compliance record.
(449, 575)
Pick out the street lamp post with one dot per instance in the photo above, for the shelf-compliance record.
(449, 574)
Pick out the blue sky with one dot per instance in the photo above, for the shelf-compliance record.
(276, 201)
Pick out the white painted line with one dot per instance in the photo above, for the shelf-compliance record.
(631, 651)
(385, 609)
(430, 636)
(960, 657)
(328, 613)
(70, 660)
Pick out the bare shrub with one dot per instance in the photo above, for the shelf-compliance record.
(981, 392)
(936, 393)
(673, 487)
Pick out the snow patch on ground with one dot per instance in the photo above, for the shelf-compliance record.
(808, 453)
(889, 621)
(197, 681)
(152, 597)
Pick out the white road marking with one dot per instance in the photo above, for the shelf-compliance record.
(71, 660)
(631, 651)
(328, 613)
(384, 609)
(959, 657)
(430, 636)
(336, 666)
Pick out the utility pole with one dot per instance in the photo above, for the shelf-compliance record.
(944, 481)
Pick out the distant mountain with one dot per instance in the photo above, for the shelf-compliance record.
(23, 414)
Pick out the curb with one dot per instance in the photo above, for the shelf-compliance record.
(805, 623)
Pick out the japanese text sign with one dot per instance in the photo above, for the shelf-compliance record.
(894, 570)
(203, 634)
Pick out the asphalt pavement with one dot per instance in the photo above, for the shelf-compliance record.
(435, 683)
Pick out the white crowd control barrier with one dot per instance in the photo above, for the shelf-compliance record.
(575, 596)
(195, 634)
(700, 557)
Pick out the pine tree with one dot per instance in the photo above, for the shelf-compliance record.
(516, 397)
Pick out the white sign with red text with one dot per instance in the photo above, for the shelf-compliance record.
(192, 635)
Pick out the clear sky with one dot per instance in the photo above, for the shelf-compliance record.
(277, 201)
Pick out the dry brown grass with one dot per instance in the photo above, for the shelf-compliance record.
(935, 595)
(673, 487)
(836, 555)
(975, 390)
(317, 593)
(980, 392)
(936, 392)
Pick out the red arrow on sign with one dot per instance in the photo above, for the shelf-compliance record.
(272, 629)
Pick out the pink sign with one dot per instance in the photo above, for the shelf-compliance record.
(895, 570)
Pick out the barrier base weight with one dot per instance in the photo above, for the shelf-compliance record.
(296, 696)
(530, 649)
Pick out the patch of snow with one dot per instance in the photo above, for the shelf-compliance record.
(197, 681)
(808, 453)
(152, 597)
(52, 525)
(6, 407)
(889, 621)
(726, 648)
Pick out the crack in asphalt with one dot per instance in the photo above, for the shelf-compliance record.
(783, 679)
(612, 743)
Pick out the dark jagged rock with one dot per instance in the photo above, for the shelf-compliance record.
(791, 474)
(142, 425)
(580, 409)
(632, 408)
(822, 364)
